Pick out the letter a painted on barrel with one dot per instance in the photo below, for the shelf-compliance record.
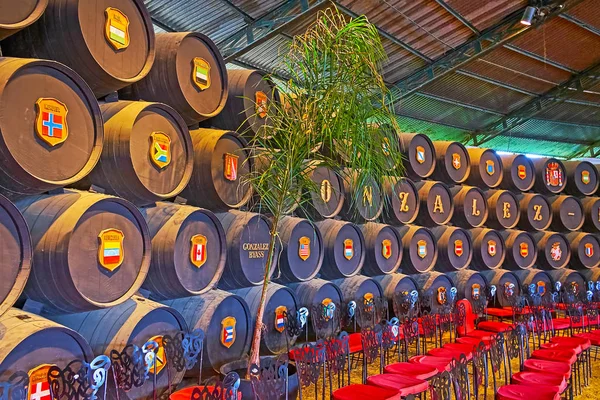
(198, 250)
(39, 388)
(160, 149)
(51, 121)
(110, 249)
(116, 29)
(348, 249)
(201, 73)
(228, 331)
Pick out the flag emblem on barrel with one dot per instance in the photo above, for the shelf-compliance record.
(280, 313)
(368, 301)
(523, 249)
(420, 154)
(304, 248)
(458, 248)
(110, 250)
(386, 248)
(441, 295)
(328, 308)
(348, 249)
(521, 172)
(422, 248)
(475, 291)
(201, 73)
(556, 252)
(554, 174)
(198, 251)
(261, 104)
(585, 177)
(39, 388)
(228, 331)
(489, 167)
(116, 29)
(51, 121)
(230, 167)
(589, 249)
(541, 286)
(160, 358)
(456, 161)
(160, 149)
(491, 248)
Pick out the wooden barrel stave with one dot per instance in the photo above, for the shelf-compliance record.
(420, 250)
(470, 285)
(489, 249)
(502, 279)
(326, 199)
(551, 177)
(567, 213)
(519, 173)
(428, 284)
(504, 209)
(541, 280)
(401, 201)
(592, 274)
(453, 164)
(571, 281)
(17, 16)
(358, 288)
(582, 178)
(470, 206)
(303, 250)
(486, 168)
(553, 249)
(591, 210)
(585, 250)
(455, 249)
(436, 206)
(338, 262)
(521, 252)
(362, 204)
(383, 248)
(536, 212)
(419, 151)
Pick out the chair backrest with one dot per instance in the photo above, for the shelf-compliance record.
(270, 381)
(215, 389)
(479, 367)
(337, 351)
(465, 318)
(326, 320)
(576, 313)
(459, 373)
(371, 312)
(592, 314)
(429, 328)
(405, 303)
(371, 343)
(310, 361)
(517, 345)
(440, 386)
(411, 335)
(79, 379)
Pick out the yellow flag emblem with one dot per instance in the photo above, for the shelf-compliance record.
(116, 29)
(304, 248)
(201, 73)
(386, 248)
(198, 250)
(51, 121)
(110, 250)
(228, 331)
(160, 149)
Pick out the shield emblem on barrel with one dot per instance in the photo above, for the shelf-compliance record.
(280, 313)
(230, 167)
(228, 331)
(39, 388)
(585, 177)
(491, 248)
(110, 249)
(509, 289)
(348, 249)
(116, 29)
(589, 249)
(160, 149)
(328, 308)
(521, 172)
(422, 248)
(51, 121)
(556, 252)
(386, 248)
(554, 174)
(420, 154)
(160, 358)
(489, 167)
(201, 73)
(456, 161)
(475, 291)
(441, 295)
(304, 248)
(458, 248)
(198, 250)
(541, 286)
(523, 249)
(368, 302)
(261, 103)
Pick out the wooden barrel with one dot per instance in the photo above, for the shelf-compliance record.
(109, 47)
(470, 206)
(420, 153)
(521, 251)
(325, 200)
(16, 16)
(489, 249)
(148, 154)
(15, 254)
(136, 321)
(363, 202)
(213, 312)
(592, 274)
(518, 171)
(436, 203)
(401, 204)
(591, 210)
(30, 342)
(486, 168)
(396, 283)
(551, 176)
(536, 212)
(455, 249)
(303, 250)
(247, 108)
(585, 250)
(504, 209)
(221, 159)
(553, 249)
(434, 287)
(317, 292)
(420, 249)
(470, 285)
(573, 282)
(280, 299)
(507, 285)
(582, 178)
(567, 213)
(359, 289)
(452, 164)
(90, 250)
(383, 248)
(188, 74)
(38, 91)
(248, 237)
(345, 251)
(542, 281)
(188, 250)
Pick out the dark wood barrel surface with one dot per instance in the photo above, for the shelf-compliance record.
(383, 248)
(359, 288)
(188, 250)
(420, 251)
(521, 251)
(188, 74)
(317, 292)
(504, 209)
(396, 283)
(111, 48)
(326, 198)
(507, 285)
(345, 251)
(213, 312)
(470, 285)
(455, 249)
(591, 274)
(363, 202)
(567, 213)
(419, 151)
(16, 16)
(554, 251)
(90, 250)
(30, 341)
(486, 168)
(591, 209)
(470, 206)
(42, 160)
(582, 178)
(136, 321)
(401, 203)
(542, 281)
(489, 249)
(16, 254)
(551, 176)
(159, 148)
(585, 250)
(436, 206)
(519, 173)
(536, 212)
(280, 299)
(221, 159)
(248, 238)
(571, 281)
(433, 286)
(303, 250)
(453, 163)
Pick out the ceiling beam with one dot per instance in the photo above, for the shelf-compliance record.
(457, 15)
(507, 30)
(243, 13)
(592, 151)
(581, 23)
(162, 25)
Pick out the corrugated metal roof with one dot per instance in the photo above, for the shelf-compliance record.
(485, 13)
(256, 8)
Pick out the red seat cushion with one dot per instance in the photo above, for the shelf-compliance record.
(460, 346)
(594, 339)
(559, 324)
(520, 392)
(584, 343)
(186, 393)
(493, 326)
(474, 341)
(450, 353)
(354, 342)
(419, 371)
(563, 355)
(440, 363)
(499, 312)
(360, 392)
(482, 335)
(562, 346)
(548, 367)
(556, 382)
(405, 384)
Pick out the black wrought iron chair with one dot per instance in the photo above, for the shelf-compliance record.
(310, 359)
(497, 359)
(326, 320)
(338, 365)
(16, 387)
(271, 382)
(440, 387)
(79, 380)
(406, 304)
(212, 389)
(480, 370)
(459, 374)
